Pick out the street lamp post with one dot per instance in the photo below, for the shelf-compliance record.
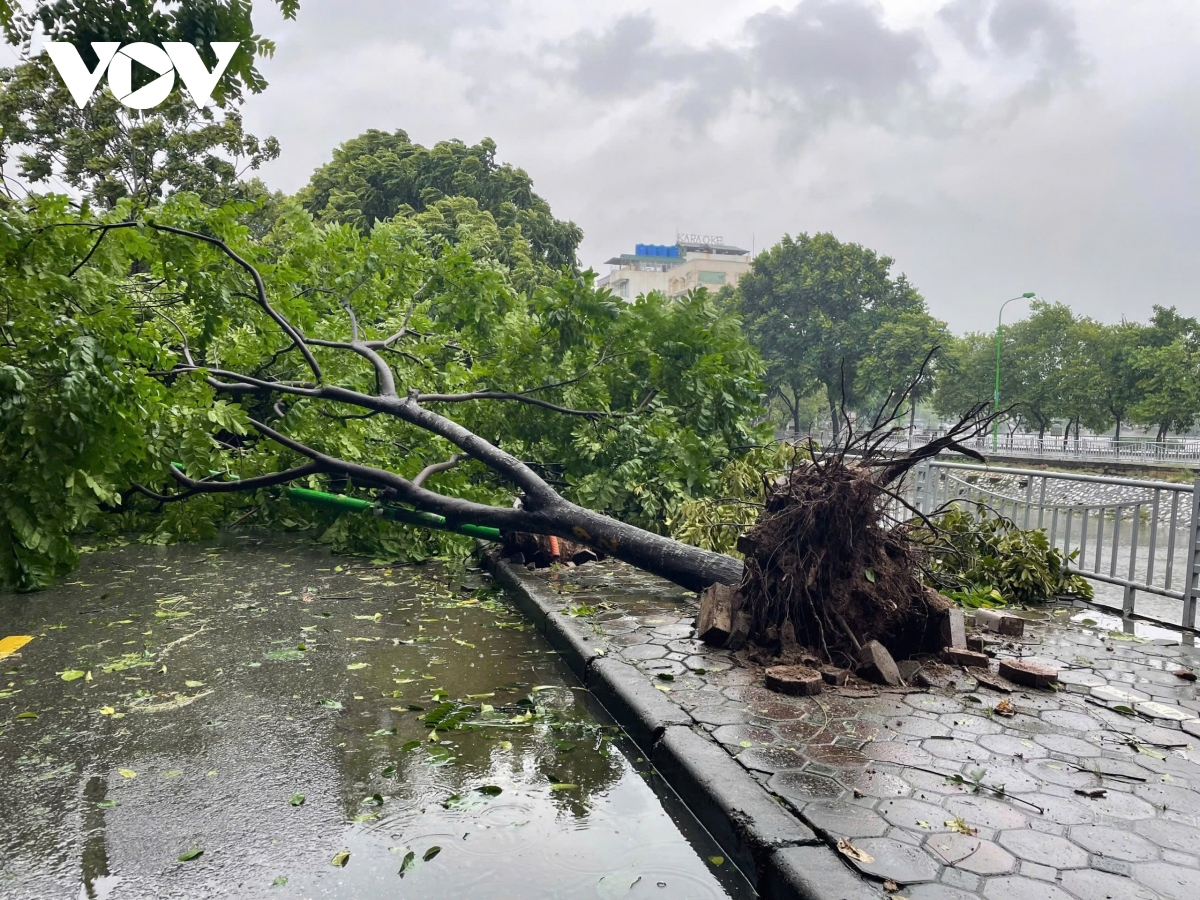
(996, 396)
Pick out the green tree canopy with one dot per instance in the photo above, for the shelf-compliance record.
(818, 309)
(109, 152)
(627, 408)
(377, 176)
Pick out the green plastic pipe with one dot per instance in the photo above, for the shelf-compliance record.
(341, 503)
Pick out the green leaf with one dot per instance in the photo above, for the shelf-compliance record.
(194, 853)
(296, 799)
(869, 574)
(340, 859)
(431, 853)
(72, 674)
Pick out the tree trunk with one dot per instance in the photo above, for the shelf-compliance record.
(1117, 438)
(687, 566)
(835, 420)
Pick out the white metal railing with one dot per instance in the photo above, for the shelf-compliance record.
(1179, 451)
(1140, 535)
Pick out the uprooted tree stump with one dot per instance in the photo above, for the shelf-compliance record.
(831, 570)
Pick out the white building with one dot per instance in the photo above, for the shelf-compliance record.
(692, 261)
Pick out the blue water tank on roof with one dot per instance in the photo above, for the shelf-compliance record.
(660, 250)
(673, 251)
(640, 249)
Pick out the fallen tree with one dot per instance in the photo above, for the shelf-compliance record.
(827, 565)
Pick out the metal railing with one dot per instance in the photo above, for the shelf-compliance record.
(1173, 451)
(1142, 536)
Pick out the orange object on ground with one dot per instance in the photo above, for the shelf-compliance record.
(554, 548)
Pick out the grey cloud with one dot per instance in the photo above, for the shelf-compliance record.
(818, 56)
(1040, 29)
(832, 48)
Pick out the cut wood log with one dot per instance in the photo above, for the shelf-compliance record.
(715, 622)
(954, 656)
(1000, 622)
(876, 664)
(800, 681)
(740, 632)
(834, 675)
(1028, 673)
(954, 629)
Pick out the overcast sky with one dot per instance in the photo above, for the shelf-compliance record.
(990, 147)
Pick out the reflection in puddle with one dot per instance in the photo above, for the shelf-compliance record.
(319, 728)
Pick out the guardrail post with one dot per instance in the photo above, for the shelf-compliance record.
(1191, 584)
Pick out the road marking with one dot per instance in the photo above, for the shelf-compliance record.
(11, 645)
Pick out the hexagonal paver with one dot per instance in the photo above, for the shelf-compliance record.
(1170, 835)
(874, 783)
(934, 703)
(802, 787)
(847, 820)
(1168, 711)
(1113, 843)
(915, 815)
(956, 749)
(915, 726)
(1072, 721)
(1065, 743)
(902, 863)
(1013, 745)
(740, 735)
(1019, 888)
(1166, 796)
(778, 710)
(1113, 694)
(937, 892)
(979, 811)
(1089, 883)
(1047, 849)
(838, 757)
(644, 651)
(1121, 805)
(972, 854)
(1057, 772)
(1173, 882)
(770, 759)
(726, 714)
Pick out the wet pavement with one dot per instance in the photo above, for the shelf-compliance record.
(1090, 792)
(263, 719)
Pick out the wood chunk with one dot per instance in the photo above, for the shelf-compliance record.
(954, 629)
(1000, 622)
(876, 664)
(1028, 673)
(994, 683)
(835, 676)
(740, 632)
(715, 622)
(954, 656)
(1186, 674)
(746, 545)
(800, 681)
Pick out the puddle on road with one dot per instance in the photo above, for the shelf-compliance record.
(301, 725)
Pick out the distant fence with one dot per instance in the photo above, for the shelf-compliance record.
(1178, 451)
(1140, 535)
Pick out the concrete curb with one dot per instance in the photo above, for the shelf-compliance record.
(778, 853)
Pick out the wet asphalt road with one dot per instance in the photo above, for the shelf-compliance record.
(265, 708)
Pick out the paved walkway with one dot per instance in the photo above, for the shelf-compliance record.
(1088, 793)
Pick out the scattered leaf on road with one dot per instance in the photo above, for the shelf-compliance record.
(848, 849)
(191, 854)
(341, 858)
(127, 773)
(296, 799)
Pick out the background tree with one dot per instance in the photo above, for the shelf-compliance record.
(812, 305)
(377, 176)
(114, 342)
(897, 350)
(1167, 364)
(107, 151)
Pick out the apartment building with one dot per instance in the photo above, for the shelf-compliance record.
(692, 261)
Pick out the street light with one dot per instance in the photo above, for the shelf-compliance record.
(996, 396)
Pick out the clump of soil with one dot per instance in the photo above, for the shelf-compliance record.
(825, 563)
